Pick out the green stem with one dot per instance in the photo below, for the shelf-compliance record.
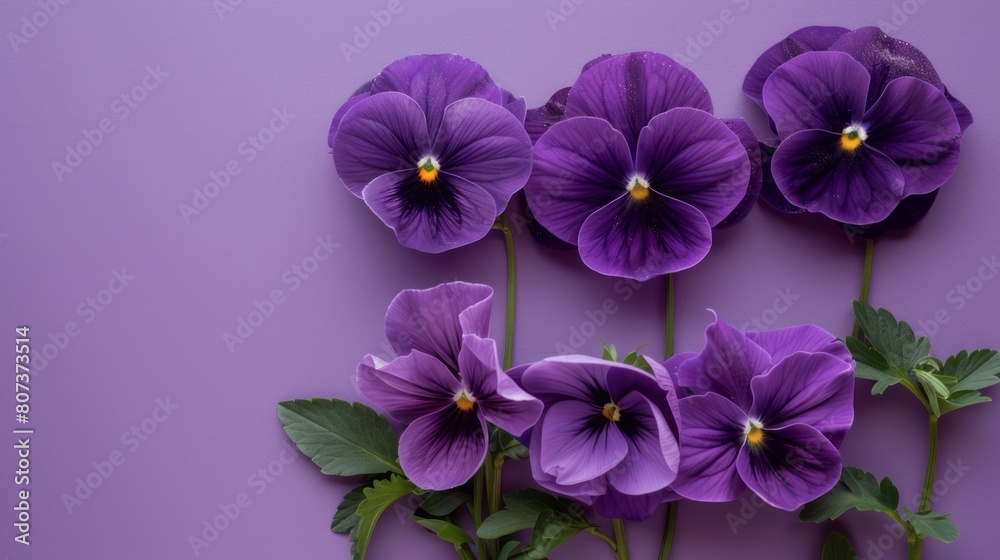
(925, 497)
(491, 473)
(669, 335)
(866, 281)
(465, 552)
(477, 510)
(668, 531)
(600, 534)
(508, 343)
(622, 546)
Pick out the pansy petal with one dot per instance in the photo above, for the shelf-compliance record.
(769, 191)
(378, 135)
(752, 147)
(813, 38)
(689, 155)
(431, 218)
(432, 320)
(339, 115)
(962, 112)
(517, 106)
(443, 450)
(540, 119)
(578, 443)
(801, 338)
(579, 166)
(886, 59)
(815, 173)
(816, 90)
(807, 388)
(435, 81)
(725, 366)
(793, 465)
(408, 387)
(914, 124)
(485, 144)
(711, 436)
(574, 376)
(617, 505)
(628, 90)
(583, 491)
(640, 239)
(498, 398)
(653, 454)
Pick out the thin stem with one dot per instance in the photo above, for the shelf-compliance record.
(622, 547)
(465, 552)
(925, 497)
(669, 335)
(913, 543)
(477, 510)
(490, 475)
(668, 531)
(600, 534)
(866, 281)
(508, 343)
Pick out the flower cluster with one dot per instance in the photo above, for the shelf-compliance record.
(765, 411)
(868, 132)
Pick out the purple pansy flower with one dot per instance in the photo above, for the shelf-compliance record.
(434, 147)
(635, 170)
(925, 151)
(766, 411)
(447, 383)
(608, 435)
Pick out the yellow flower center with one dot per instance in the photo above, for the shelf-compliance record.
(464, 401)
(754, 433)
(852, 137)
(611, 412)
(427, 170)
(638, 188)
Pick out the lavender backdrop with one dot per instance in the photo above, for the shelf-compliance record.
(157, 99)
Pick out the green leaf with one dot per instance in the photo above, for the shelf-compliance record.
(445, 502)
(933, 387)
(445, 530)
(378, 497)
(837, 547)
(932, 524)
(346, 518)
(870, 364)
(550, 532)
(507, 550)
(522, 509)
(894, 340)
(608, 352)
(974, 371)
(341, 438)
(504, 446)
(963, 400)
(856, 489)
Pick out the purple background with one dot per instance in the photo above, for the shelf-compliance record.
(162, 336)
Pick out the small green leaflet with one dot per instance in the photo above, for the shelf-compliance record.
(837, 547)
(504, 446)
(340, 437)
(523, 509)
(445, 502)
(856, 489)
(378, 497)
(932, 524)
(346, 518)
(893, 340)
(507, 550)
(869, 364)
(445, 530)
(608, 352)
